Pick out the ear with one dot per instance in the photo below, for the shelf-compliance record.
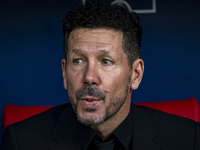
(63, 62)
(137, 73)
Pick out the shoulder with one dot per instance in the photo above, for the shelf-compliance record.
(37, 129)
(44, 122)
(163, 118)
(169, 131)
(47, 117)
(170, 127)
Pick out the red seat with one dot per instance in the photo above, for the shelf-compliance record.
(16, 113)
(188, 108)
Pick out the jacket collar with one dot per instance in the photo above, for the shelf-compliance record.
(65, 131)
(144, 132)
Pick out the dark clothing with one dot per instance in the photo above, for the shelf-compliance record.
(120, 139)
(58, 129)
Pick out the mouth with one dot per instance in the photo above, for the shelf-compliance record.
(89, 101)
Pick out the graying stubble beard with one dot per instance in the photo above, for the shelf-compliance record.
(117, 103)
(86, 122)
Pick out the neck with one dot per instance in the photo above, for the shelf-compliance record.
(107, 127)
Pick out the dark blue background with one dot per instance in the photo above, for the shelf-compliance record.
(31, 52)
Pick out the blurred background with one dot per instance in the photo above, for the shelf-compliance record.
(31, 51)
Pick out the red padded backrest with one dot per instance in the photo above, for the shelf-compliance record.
(16, 113)
(188, 108)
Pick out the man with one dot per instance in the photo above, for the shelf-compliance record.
(102, 66)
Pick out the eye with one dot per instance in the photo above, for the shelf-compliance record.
(106, 62)
(77, 61)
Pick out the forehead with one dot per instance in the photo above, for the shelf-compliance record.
(98, 37)
(97, 31)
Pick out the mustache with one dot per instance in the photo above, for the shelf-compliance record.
(90, 91)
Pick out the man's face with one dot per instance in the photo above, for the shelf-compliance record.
(96, 74)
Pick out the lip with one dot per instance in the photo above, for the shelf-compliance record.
(89, 101)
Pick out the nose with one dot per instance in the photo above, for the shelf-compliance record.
(91, 75)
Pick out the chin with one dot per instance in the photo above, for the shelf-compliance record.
(91, 117)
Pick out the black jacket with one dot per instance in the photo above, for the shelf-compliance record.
(55, 129)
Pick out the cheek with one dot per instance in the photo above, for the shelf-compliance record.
(116, 82)
(74, 82)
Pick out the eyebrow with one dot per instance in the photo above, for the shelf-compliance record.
(101, 52)
(77, 51)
